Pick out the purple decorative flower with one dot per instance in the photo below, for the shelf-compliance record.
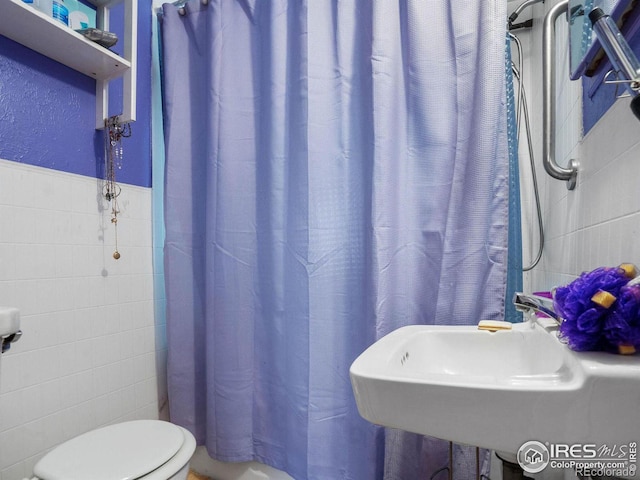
(584, 320)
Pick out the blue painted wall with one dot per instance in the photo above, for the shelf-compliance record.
(47, 111)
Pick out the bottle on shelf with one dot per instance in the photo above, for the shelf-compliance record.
(60, 12)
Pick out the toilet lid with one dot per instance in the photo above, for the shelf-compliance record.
(124, 451)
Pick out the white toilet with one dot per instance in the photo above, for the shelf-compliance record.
(136, 450)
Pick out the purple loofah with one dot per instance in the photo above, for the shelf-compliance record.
(583, 326)
(622, 325)
(585, 332)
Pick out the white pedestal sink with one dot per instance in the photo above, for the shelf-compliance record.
(498, 390)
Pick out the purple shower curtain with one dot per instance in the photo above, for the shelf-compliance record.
(334, 170)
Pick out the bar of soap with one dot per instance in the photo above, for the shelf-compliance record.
(604, 299)
(494, 325)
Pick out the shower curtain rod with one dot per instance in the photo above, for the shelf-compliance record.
(181, 3)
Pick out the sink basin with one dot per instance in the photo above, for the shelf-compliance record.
(9, 321)
(497, 390)
(465, 356)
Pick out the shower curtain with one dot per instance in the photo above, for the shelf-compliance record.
(334, 170)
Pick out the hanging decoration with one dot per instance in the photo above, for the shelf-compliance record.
(115, 132)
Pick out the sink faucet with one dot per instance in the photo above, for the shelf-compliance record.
(531, 303)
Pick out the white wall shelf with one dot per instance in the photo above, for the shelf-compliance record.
(33, 29)
(52, 39)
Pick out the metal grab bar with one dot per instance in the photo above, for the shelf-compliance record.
(549, 99)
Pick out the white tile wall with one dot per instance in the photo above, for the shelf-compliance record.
(598, 223)
(89, 355)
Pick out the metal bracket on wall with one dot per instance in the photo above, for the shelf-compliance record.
(570, 173)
